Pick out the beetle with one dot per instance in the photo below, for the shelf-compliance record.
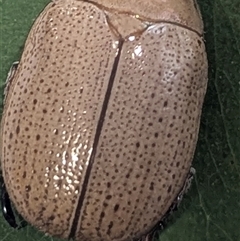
(101, 116)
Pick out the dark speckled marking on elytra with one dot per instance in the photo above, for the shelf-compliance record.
(140, 143)
(95, 145)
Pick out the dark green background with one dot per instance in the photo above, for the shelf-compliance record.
(211, 210)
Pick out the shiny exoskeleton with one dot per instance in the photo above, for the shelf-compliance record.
(101, 116)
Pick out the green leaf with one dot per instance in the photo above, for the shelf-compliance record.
(210, 211)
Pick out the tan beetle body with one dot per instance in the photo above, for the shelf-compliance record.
(101, 117)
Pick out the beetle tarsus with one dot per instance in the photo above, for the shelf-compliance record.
(10, 76)
(184, 190)
(7, 209)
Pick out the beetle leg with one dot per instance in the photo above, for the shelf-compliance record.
(179, 197)
(161, 225)
(185, 188)
(10, 76)
(6, 208)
